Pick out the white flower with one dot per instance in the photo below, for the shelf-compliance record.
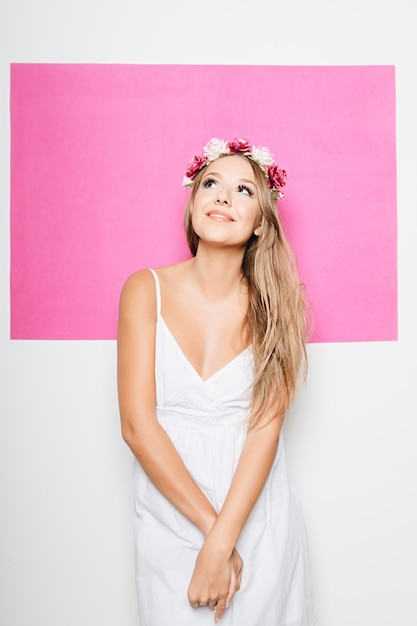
(214, 148)
(187, 182)
(262, 156)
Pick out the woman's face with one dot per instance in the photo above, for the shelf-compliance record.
(226, 207)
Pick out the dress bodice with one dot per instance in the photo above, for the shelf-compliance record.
(180, 389)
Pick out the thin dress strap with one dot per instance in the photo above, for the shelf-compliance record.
(158, 292)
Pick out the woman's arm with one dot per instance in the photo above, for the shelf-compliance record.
(250, 476)
(252, 470)
(137, 401)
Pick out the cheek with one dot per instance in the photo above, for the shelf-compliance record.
(195, 219)
(256, 217)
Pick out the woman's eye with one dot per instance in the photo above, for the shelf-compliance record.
(246, 190)
(209, 183)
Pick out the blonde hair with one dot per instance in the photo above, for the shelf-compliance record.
(276, 317)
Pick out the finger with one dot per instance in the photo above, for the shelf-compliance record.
(232, 589)
(230, 596)
(220, 607)
(195, 601)
(192, 599)
(239, 572)
(238, 580)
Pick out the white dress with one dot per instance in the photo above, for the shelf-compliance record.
(206, 420)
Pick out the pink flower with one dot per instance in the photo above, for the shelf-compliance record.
(195, 166)
(239, 145)
(277, 177)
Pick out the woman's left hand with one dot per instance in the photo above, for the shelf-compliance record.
(215, 579)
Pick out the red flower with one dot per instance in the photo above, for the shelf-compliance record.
(195, 166)
(239, 145)
(277, 177)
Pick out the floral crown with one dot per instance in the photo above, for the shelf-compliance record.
(259, 154)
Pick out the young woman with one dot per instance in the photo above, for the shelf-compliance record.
(209, 354)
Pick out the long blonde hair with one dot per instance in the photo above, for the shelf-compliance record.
(276, 316)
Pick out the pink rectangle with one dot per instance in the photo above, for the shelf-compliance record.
(98, 153)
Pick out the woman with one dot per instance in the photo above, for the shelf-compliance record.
(209, 353)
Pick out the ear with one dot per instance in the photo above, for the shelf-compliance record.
(257, 231)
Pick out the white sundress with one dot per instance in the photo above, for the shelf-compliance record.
(206, 420)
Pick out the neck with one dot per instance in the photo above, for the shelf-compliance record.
(218, 271)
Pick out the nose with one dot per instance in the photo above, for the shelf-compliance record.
(222, 198)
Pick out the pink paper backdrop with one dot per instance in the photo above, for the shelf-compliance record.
(98, 153)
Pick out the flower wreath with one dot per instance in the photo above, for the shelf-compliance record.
(259, 154)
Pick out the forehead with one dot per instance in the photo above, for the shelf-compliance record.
(234, 165)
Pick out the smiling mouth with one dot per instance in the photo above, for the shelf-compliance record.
(220, 216)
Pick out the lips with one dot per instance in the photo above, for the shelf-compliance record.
(220, 216)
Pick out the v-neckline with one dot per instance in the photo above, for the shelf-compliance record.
(187, 360)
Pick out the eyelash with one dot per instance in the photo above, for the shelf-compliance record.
(210, 181)
(246, 188)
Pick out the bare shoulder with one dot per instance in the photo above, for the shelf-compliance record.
(138, 294)
(138, 282)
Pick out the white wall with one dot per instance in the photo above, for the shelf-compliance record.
(65, 497)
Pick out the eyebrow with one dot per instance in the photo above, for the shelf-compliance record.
(242, 180)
